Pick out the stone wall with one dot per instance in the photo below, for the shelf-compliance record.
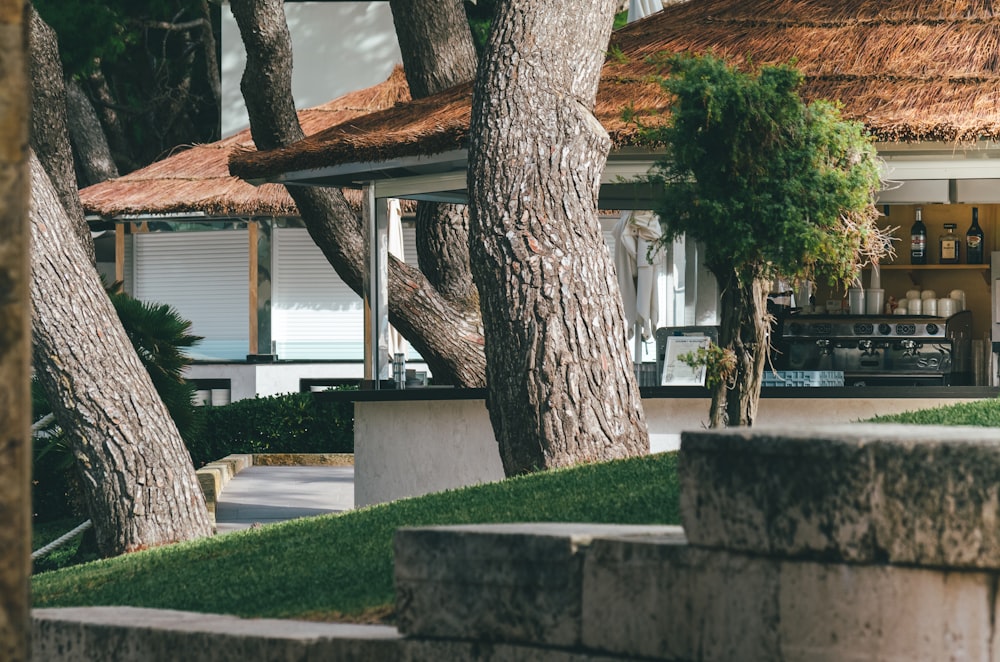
(857, 542)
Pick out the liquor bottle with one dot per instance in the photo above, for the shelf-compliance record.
(974, 240)
(918, 241)
(950, 253)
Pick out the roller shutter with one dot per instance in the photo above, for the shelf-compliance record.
(204, 276)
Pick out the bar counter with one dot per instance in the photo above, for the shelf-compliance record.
(414, 441)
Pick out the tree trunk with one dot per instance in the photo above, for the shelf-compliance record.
(138, 479)
(561, 385)
(104, 104)
(15, 369)
(449, 337)
(93, 155)
(438, 53)
(744, 328)
(49, 133)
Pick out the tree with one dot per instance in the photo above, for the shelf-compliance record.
(447, 334)
(15, 370)
(148, 71)
(437, 50)
(138, 479)
(561, 385)
(769, 185)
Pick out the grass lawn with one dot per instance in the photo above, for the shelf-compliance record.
(981, 413)
(339, 567)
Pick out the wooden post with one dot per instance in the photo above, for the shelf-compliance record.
(15, 338)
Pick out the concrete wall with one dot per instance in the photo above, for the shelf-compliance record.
(411, 448)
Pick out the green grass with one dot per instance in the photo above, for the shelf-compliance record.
(981, 413)
(341, 565)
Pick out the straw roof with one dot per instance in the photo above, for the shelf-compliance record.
(197, 179)
(911, 70)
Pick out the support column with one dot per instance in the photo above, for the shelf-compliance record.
(375, 212)
(261, 265)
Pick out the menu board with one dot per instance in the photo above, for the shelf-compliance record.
(677, 372)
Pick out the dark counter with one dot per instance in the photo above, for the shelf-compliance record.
(832, 392)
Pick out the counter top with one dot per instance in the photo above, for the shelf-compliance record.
(651, 392)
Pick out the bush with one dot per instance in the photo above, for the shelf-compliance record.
(293, 423)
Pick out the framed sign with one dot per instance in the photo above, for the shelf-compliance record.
(677, 372)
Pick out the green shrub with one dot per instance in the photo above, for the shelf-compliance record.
(292, 423)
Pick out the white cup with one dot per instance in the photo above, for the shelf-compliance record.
(959, 296)
(900, 310)
(912, 294)
(928, 294)
(930, 307)
(947, 307)
(914, 306)
(875, 302)
(856, 301)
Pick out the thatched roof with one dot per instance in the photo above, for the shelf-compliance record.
(197, 179)
(911, 70)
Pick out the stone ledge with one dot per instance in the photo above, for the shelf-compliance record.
(517, 583)
(214, 476)
(131, 634)
(304, 459)
(915, 495)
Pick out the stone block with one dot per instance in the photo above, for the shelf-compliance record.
(663, 599)
(130, 634)
(834, 612)
(658, 597)
(922, 495)
(518, 583)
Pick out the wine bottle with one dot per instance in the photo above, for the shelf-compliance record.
(918, 241)
(974, 240)
(949, 244)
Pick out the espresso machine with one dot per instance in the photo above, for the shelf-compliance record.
(872, 350)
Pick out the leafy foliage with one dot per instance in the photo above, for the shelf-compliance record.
(767, 183)
(154, 74)
(982, 413)
(292, 423)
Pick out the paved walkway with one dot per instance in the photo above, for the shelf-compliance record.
(267, 494)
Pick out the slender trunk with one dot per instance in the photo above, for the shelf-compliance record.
(50, 138)
(561, 385)
(438, 53)
(447, 335)
(744, 328)
(104, 104)
(138, 479)
(15, 369)
(93, 155)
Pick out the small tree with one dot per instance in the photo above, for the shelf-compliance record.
(770, 186)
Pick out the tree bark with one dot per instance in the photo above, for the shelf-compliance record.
(744, 329)
(15, 335)
(561, 385)
(49, 133)
(138, 478)
(438, 53)
(448, 337)
(93, 156)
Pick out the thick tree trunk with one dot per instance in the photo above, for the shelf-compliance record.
(448, 336)
(438, 53)
(49, 133)
(561, 385)
(138, 479)
(15, 369)
(93, 156)
(744, 328)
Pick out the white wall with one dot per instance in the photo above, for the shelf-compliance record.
(404, 449)
(338, 47)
